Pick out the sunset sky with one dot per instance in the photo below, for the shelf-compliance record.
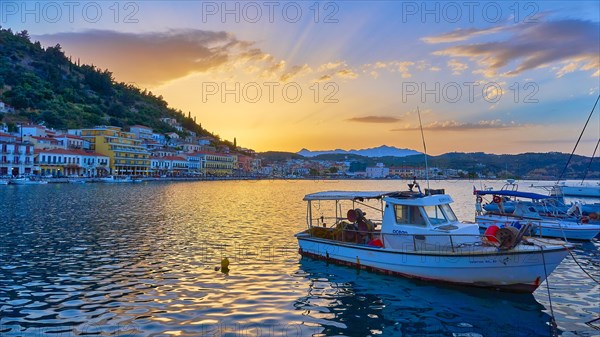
(497, 77)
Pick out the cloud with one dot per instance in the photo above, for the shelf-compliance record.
(346, 73)
(374, 119)
(402, 67)
(154, 58)
(331, 65)
(453, 125)
(460, 35)
(457, 66)
(518, 48)
(296, 71)
(324, 78)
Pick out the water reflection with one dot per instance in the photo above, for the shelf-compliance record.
(348, 302)
(102, 260)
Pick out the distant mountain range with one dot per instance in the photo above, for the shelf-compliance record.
(375, 152)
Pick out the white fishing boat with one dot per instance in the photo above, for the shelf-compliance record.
(3, 182)
(77, 181)
(117, 179)
(28, 181)
(533, 208)
(577, 190)
(419, 236)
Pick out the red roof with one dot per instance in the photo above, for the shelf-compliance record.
(140, 126)
(34, 126)
(52, 140)
(71, 152)
(68, 136)
(2, 134)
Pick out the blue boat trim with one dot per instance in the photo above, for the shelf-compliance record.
(528, 195)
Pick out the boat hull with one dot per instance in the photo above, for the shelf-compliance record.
(581, 191)
(29, 182)
(555, 229)
(518, 271)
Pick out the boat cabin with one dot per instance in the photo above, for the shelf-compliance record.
(394, 220)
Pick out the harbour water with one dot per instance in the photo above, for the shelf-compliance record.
(141, 260)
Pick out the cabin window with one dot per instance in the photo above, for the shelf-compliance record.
(409, 215)
(449, 213)
(435, 215)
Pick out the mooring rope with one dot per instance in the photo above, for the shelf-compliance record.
(553, 320)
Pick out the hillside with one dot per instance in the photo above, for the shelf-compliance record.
(380, 151)
(525, 165)
(44, 85)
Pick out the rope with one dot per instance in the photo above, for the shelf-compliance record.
(578, 139)
(553, 320)
(590, 163)
(581, 267)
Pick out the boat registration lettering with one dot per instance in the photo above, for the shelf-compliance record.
(399, 231)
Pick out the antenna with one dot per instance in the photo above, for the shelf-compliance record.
(425, 150)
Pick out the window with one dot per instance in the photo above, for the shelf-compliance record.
(435, 215)
(409, 215)
(449, 213)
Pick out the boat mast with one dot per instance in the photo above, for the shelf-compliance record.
(424, 150)
(578, 139)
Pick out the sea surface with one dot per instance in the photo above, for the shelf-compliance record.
(142, 260)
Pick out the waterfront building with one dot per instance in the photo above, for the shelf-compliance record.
(142, 132)
(40, 143)
(74, 162)
(169, 165)
(34, 130)
(377, 171)
(159, 138)
(215, 164)
(69, 141)
(16, 158)
(127, 154)
(194, 163)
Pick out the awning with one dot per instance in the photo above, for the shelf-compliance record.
(348, 195)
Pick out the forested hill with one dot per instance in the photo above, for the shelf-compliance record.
(42, 84)
(525, 165)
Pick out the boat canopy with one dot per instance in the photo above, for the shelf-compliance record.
(430, 200)
(527, 195)
(348, 195)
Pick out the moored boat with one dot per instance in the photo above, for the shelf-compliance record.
(420, 237)
(577, 190)
(3, 182)
(537, 210)
(77, 181)
(28, 181)
(117, 179)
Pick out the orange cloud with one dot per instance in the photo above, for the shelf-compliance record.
(374, 119)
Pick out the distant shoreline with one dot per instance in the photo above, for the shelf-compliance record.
(193, 179)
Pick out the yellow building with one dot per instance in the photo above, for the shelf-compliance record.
(127, 154)
(214, 164)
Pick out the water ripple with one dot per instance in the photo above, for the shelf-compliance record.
(144, 260)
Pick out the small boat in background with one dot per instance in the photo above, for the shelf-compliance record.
(4, 182)
(117, 179)
(420, 237)
(577, 190)
(28, 181)
(77, 181)
(514, 208)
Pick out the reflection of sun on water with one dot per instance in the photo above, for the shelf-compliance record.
(147, 259)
